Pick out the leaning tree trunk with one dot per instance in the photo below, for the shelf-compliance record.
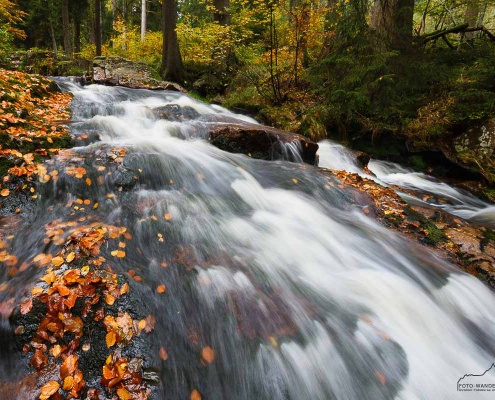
(172, 67)
(393, 21)
(98, 27)
(66, 28)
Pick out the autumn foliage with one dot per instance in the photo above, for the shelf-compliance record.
(32, 114)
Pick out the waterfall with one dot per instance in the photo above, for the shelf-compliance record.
(299, 294)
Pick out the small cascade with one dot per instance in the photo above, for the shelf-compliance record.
(298, 293)
(453, 200)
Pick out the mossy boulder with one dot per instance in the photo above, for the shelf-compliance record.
(117, 71)
(475, 149)
(45, 62)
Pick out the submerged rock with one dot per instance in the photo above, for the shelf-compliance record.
(263, 142)
(174, 112)
(117, 71)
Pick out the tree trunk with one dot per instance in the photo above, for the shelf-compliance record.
(172, 67)
(77, 35)
(393, 21)
(98, 27)
(114, 13)
(66, 28)
(471, 17)
(143, 20)
(222, 12)
(54, 40)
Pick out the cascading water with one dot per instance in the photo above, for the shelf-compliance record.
(456, 201)
(299, 293)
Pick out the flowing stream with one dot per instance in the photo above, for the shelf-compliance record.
(453, 200)
(299, 293)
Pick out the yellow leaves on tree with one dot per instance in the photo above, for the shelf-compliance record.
(9, 13)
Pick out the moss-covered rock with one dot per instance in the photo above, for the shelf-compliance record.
(117, 71)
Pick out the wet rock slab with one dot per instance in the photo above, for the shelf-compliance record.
(469, 245)
(263, 142)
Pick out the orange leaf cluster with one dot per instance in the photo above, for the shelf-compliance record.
(125, 377)
(121, 329)
(30, 97)
(63, 291)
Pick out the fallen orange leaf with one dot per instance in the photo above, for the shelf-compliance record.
(70, 257)
(57, 261)
(69, 366)
(111, 338)
(26, 306)
(123, 394)
(49, 389)
(108, 372)
(163, 354)
(161, 289)
(208, 354)
(68, 383)
(381, 377)
(124, 289)
(109, 299)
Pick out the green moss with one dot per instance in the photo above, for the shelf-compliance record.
(62, 142)
(434, 235)
(489, 194)
(488, 236)
(5, 165)
(418, 163)
(24, 146)
(394, 219)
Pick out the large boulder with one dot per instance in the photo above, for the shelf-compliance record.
(117, 71)
(263, 142)
(475, 149)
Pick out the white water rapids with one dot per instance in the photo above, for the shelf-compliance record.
(301, 294)
(458, 202)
